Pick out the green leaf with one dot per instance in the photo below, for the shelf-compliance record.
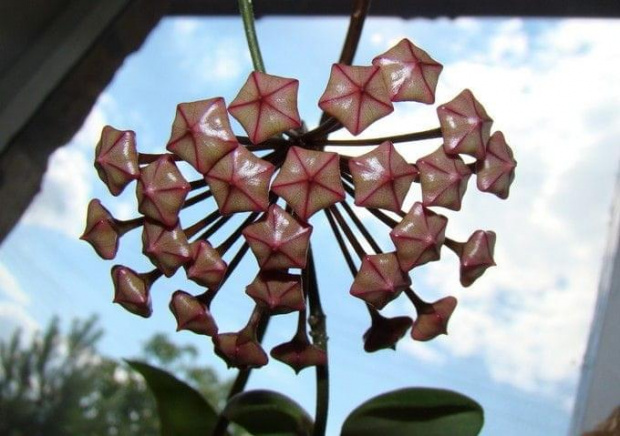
(416, 411)
(182, 410)
(268, 413)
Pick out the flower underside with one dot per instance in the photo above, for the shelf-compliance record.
(280, 177)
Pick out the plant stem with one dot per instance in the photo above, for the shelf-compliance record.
(361, 227)
(247, 14)
(407, 137)
(340, 240)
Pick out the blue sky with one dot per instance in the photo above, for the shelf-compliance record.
(518, 335)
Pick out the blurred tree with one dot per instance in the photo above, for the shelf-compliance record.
(60, 385)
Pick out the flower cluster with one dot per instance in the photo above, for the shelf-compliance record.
(238, 172)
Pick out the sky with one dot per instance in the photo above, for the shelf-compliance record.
(517, 338)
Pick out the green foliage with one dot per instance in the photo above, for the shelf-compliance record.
(416, 411)
(268, 413)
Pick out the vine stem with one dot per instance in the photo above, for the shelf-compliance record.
(407, 137)
(247, 14)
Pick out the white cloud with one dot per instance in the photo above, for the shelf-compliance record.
(13, 304)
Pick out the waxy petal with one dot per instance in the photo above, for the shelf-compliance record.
(101, 231)
(465, 125)
(309, 181)
(131, 291)
(299, 354)
(379, 280)
(266, 105)
(240, 182)
(476, 256)
(356, 96)
(496, 172)
(444, 179)
(418, 237)
(116, 158)
(201, 133)
(278, 240)
(161, 191)
(168, 249)
(409, 72)
(239, 351)
(278, 292)
(207, 267)
(433, 319)
(382, 178)
(191, 314)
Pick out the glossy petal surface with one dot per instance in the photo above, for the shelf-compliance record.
(477, 256)
(278, 240)
(278, 292)
(207, 267)
(409, 72)
(356, 96)
(161, 191)
(444, 179)
(309, 181)
(101, 231)
(201, 133)
(131, 291)
(240, 182)
(381, 177)
(496, 172)
(418, 237)
(299, 354)
(116, 158)
(239, 351)
(191, 314)
(168, 249)
(266, 105)
(433, 321)
(379, 280)
(465, 125)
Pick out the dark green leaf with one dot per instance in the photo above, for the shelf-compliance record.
(182, 410)
(267, 413)
(416, 411)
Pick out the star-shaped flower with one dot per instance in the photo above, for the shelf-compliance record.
(379, 280)
(409, 72)
(309, 181)
(356, 96)
(444, 179)
(201, 133)
(381, 177)
(277, 291)
(168, 249)
(116, 158)
(101, 231)
(207, 267)
(432, 319)
(131, 291)
(465, 125)
(418, 237)
(266, 105)
(161, 191)
(191, 314)
(476, 256)
(240, 182)
(278, 240)
(497, 171)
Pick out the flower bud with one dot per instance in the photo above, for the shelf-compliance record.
(409, 72)
(465, 125)
(356, 96)
(476, 256)
(444, 179)
(379, 280)
(201, 134)
(385, 332)
(299, 354)
(433, 319)
(191, 314)
(309, 181)
(116, 158)
(382, 178)
(131, 290)
(266, 105)
(161, 191)
(207, 267)
(167, 249)
(240, 350)
(496, 172)
(279, 241)
(277, 291)
(101, 231)
(418, 237)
